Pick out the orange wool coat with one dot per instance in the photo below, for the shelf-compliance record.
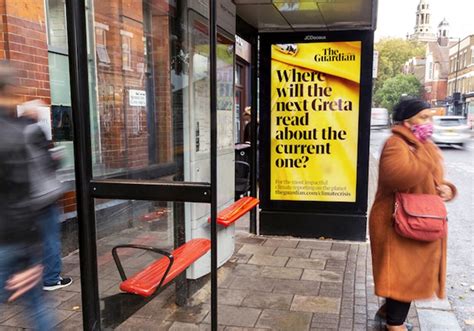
(406, 269)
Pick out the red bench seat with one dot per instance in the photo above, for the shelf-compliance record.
(145, 282)
(236, 210)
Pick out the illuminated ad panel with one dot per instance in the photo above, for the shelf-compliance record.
(315, 90)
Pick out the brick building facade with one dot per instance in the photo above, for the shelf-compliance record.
(23, 42)
(436, 71)
(130, 71)
(461, 78)
(461, 66)
(133, 58)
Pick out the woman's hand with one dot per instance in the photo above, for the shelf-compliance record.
(445, 192)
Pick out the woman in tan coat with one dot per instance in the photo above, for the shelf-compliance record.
(405, 269)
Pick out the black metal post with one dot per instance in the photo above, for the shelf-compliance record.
(254, 135)
(78, 69)
(181, 282)
(213, 104)
(250, 34)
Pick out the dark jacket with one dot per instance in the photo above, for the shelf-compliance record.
(248, 132)
(17, 221)
(45, 188)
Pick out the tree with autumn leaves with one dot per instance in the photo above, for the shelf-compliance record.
(391, 83)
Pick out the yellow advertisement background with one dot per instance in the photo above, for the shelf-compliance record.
(327, 177)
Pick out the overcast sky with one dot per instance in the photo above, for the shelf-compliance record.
(396, 18)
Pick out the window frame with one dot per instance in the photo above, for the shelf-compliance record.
(54, 48)
(126, 52)
(102, 54)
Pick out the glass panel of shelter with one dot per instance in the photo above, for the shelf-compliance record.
(151, 225)
(152, 84)
(150, 114)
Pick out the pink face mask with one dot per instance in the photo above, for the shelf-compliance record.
(422, 131)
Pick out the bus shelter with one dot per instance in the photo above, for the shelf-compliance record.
(157, 133)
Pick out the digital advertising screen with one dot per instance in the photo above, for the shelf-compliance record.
(314, 118)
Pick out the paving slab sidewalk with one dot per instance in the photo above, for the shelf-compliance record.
(270, 283)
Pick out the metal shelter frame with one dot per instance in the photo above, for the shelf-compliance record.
(250, 34)
(89, 189)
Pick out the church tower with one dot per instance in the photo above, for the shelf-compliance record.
(443, 28)
(443, 33)
(423, 31)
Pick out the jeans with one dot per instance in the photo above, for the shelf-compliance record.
(50, 232)
(15, 258)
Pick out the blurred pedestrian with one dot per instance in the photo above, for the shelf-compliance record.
(20, 240)
(405, 269)
(46, 190)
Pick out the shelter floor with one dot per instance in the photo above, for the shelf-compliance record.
(269, 283)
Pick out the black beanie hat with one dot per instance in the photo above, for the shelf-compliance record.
(408, 108)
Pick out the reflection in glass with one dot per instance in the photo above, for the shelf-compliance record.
(200, 85)
(225, 91)
(295, 5)
(135, 92)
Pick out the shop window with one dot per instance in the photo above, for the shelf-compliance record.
(56, 23)
(61, 111)
(238, 75)
(237, 117)
(126, 50)
(101, 43)
(62, 123)
(59, 79)
(240, 99)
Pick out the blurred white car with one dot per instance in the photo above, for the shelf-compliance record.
(450, 130)
(379, 118)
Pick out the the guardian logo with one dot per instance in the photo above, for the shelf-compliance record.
(311, 37)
